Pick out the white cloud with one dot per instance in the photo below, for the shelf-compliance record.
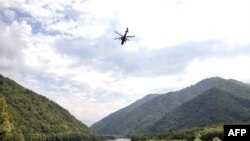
(12, 44)
(177, 43)
(237, 67)
(167, 23)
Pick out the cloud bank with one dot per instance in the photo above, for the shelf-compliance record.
(65, 49)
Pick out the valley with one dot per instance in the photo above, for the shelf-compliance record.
(195, 112)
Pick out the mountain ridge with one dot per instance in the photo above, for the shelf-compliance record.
(214, 106)
(119, 115)
(147, 114)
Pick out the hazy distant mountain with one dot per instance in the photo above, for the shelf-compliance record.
(25, 115)
(144, 117)
(118, 117)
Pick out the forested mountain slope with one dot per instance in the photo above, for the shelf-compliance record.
(214, 106)
(25, 115)
(143, 117)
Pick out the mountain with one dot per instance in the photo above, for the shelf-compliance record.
(214, 106)
(25, 115)
(117, 118)
(143, 118)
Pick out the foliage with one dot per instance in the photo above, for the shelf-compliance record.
(30, 116)
(214, 106)
(208, 133)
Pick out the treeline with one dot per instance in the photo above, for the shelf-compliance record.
(214, 133)
(17, 136)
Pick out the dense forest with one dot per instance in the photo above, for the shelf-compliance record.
(208, 133)
(27, 116)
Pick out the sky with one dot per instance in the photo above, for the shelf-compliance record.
(65, 49)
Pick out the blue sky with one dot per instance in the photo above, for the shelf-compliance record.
(64, 49)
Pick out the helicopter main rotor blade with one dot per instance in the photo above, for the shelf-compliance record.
(117, 38)
(118, 33)
(130, 36)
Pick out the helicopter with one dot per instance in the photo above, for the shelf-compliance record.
(124, 37)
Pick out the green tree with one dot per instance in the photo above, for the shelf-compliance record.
(198, 137)
(5, 125)
(216, 139)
